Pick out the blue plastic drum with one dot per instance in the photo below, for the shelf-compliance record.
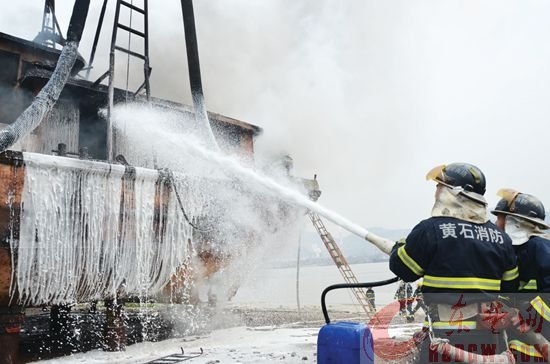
(345, 343)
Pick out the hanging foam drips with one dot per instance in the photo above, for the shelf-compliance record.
(90, 229)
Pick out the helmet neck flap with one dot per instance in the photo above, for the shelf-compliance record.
(520, 230)
(451, 202)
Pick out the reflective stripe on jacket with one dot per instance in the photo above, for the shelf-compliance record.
(456, 256)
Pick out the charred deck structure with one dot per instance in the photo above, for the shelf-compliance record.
(70, 149)
(25, 67)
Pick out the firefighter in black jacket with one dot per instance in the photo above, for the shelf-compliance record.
(401, 297)
(464, 259)
(522, 216)
(371, 298)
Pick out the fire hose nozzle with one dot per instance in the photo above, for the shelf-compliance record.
(385, 245)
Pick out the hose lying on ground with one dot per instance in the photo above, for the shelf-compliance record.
(47, 97)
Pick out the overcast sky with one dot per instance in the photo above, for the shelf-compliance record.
(368, 94)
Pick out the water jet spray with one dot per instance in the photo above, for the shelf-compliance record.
(243, 173)
(293, 196)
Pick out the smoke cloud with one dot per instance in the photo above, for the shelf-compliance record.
(367, 94)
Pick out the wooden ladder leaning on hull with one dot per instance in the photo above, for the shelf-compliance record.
(341, 262)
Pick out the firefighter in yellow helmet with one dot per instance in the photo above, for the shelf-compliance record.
(464, 259)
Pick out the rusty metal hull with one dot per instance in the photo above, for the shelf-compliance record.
(12, 176)
(11, 187)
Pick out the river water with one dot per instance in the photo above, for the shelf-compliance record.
(277, 286)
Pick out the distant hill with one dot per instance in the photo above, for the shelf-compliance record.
(355, 249)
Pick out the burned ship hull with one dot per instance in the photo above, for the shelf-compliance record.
(75, 227)
(75, 230)
(76, 127)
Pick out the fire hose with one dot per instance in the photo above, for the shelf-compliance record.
(350, 285)
(44, 102)
(385, 245)
(458, 355)
(443, 347)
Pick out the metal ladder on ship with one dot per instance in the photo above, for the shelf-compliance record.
(341, 262)
(110, 74)
(115, 47)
